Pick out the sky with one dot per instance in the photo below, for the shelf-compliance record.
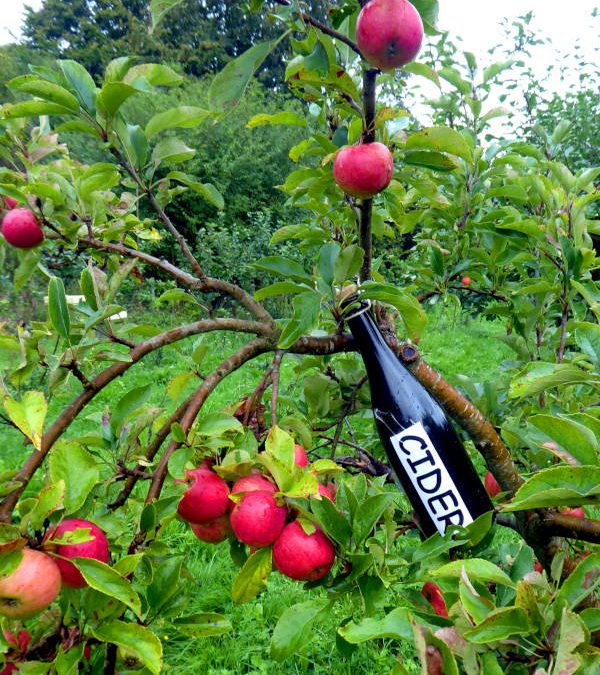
(475, 21)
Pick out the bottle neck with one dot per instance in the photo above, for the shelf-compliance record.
(374, 349)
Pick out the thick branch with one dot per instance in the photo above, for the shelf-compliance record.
(184, 278)
(559, 524)
(96, 385)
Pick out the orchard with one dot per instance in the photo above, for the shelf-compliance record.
(259, 450)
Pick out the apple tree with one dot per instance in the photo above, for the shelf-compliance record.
(445, 212)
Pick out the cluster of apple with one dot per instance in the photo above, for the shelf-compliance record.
(389, 34)
(38, 578)
(251, 511)
(20, 227)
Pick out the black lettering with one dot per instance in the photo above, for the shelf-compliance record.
(426, 458)
(437, 475)
(448, 518)
(422, 444)
(440, 498)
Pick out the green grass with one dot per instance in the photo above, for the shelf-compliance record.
(463, 346)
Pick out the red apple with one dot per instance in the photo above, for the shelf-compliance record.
(96, 547)
(206, 499)
(31, 587)
(434, 595)
(301, 556)
(466, 281)
(257, 520)
(491, 485)
(215, 531)
(300, 456)
(537, 566)
(389, 33)
(9, 668)
(252, 483)
(363, 170)
(21, 229)
(577, 512)
(10, 203)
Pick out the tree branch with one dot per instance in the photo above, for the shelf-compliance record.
(571, 527)
(275, 386)
(106, 377)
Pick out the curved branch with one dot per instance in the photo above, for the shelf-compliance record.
(225, 368)
(185, 278)
(96, 385)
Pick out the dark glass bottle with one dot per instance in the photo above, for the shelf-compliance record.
(420, 441)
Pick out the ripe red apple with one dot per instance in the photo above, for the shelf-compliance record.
(96, 548)
(21, 229)
(215, 531)
(207, 497)
(301, 556)
(300, 456)
(537, 566)
(9, 668)
(256, 519)
(31, 587)
(389, 33)
(252, 483)
(10, 203)
(363, 170)
(491, 485)
(466, 281)
(435, 596)
(576, 512)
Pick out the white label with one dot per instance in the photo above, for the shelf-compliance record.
(430, 478)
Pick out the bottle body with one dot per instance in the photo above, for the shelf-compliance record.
(424, 450)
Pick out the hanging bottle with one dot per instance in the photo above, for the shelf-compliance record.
(424, 450)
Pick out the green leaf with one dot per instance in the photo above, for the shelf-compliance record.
(495, 69)
(172, 151)
(500, 625)
(395, 625)
(306, 314)
(412, 313)
(177, 295)
(138, 639)
(9, 562)
(591, 617)
(286, 117)
(280, 288)
(558, 486)
(183, 117)
(32, 108)
(203, 624)
(153, 74)
(583, 581)
(540, 376)
(32, 84)
(283, 267)
(74, 465)
(440, 139)
(206, 190)
(573, 632)
(431, 160)
(28, 415)
(58, 310)
(133, 400)
(579, 441)
(476, 569)
(368, 513)
(348, 263)
(108, 581)
(216, 424)
(49, 500)
(88, 288)
(228, 86)
(332, 521)
(252, 578)
(587, 336)
(294, 628)
(113, 95)
(327, 258)
(82, 83)
(165, 583)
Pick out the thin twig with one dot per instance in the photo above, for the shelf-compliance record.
(275, 386)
